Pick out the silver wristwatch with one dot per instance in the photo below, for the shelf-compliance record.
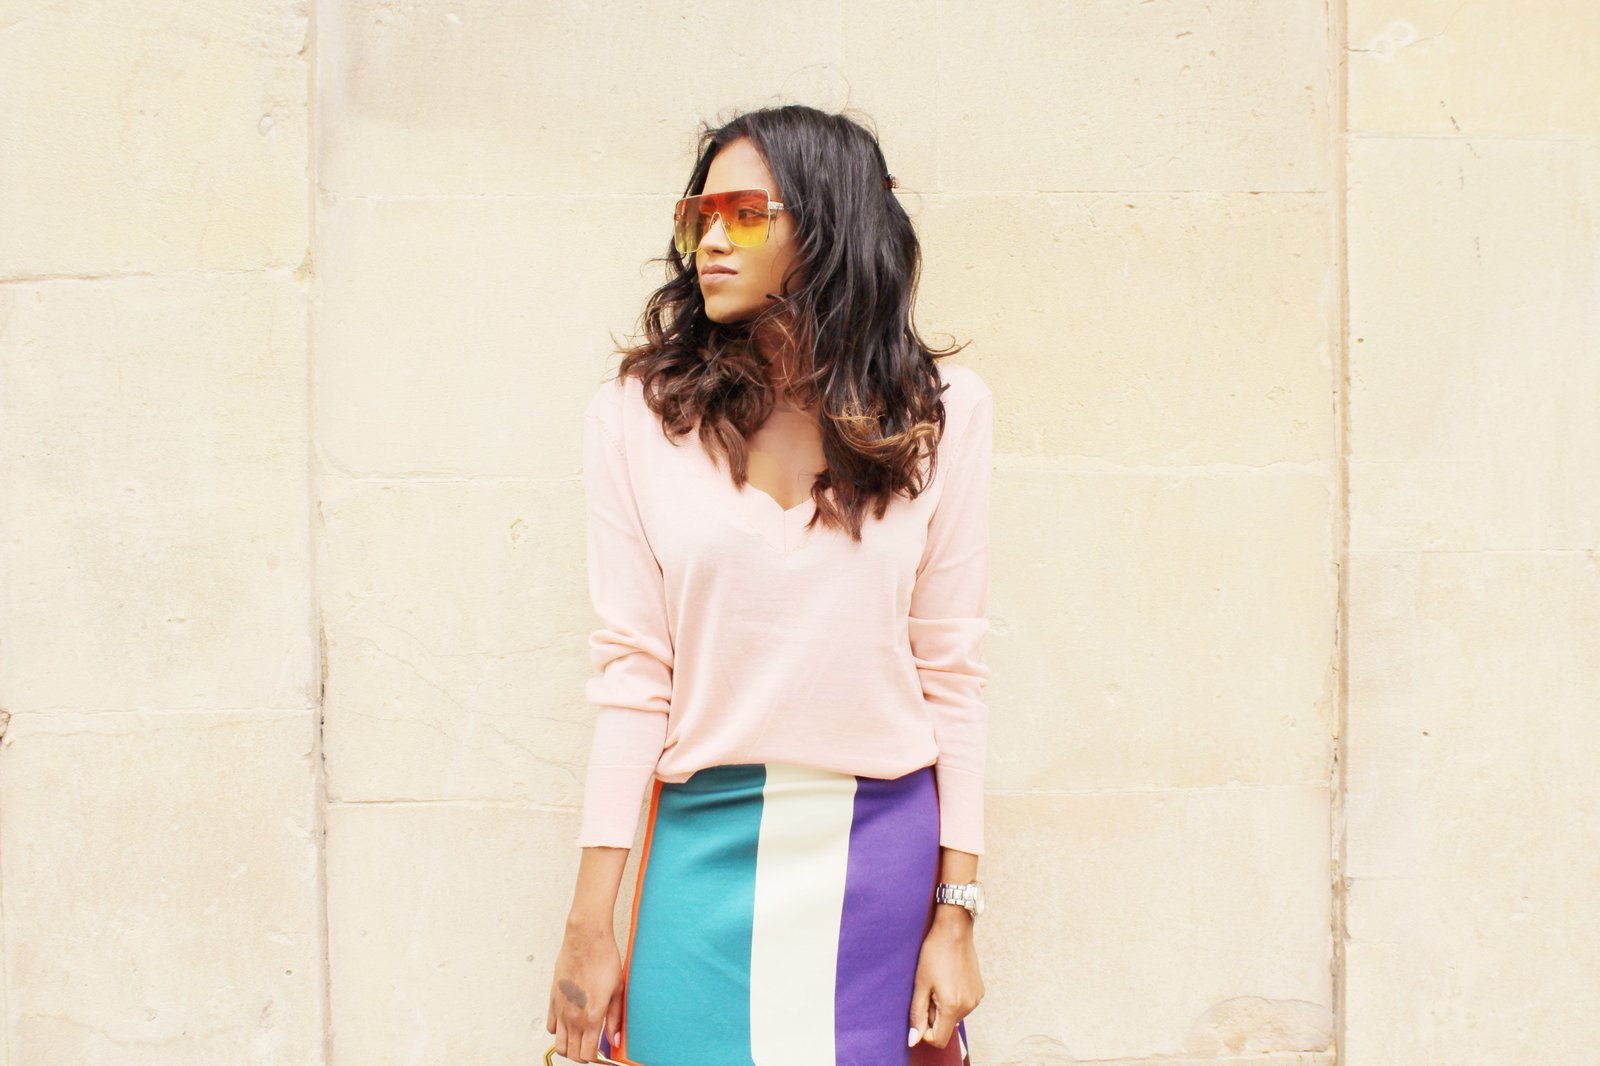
(969, 895)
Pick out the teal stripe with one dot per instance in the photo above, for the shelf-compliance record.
(696, 910)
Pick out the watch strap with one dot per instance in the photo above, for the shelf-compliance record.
(962, 895)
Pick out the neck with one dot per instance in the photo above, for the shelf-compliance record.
(780, 366)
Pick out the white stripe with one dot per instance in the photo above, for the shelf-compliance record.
(801, 860)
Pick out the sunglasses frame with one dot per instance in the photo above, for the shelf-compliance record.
(773, 206)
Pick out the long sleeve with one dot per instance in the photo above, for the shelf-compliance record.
(632, 650)
(947, 627)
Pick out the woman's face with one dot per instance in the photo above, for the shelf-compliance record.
(758, 271)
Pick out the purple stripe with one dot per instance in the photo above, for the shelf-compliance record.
(894, 859)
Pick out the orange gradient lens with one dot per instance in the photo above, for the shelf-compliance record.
(744, 217)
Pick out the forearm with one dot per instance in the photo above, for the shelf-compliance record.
(594, 899)
(957, 867)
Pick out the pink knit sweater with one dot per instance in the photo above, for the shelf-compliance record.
(731, 634)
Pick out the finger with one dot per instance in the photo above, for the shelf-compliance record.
(919, 1013)
(614, 1020)
(589, 1042)
(550, 1015)
(561, 1038)
(944, 1023)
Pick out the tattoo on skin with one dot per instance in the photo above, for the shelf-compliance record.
(574, 994)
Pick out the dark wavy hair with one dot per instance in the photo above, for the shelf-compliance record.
(845, 326)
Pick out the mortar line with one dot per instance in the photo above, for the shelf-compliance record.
(1339, 84)
(319, 763)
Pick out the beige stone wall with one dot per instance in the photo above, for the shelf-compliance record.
(1472, 814)
(161, 780)
(1292, 316)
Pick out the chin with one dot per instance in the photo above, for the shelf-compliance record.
(718, 311)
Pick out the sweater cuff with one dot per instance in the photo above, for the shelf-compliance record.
(612, 797)
(960, 808)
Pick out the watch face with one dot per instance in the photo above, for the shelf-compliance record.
(977, 894)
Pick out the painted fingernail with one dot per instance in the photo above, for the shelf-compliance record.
(911, 1037)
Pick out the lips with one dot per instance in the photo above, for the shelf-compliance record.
(710, 270)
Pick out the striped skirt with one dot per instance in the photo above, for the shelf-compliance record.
(778, 915)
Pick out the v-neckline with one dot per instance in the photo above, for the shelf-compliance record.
(784, 529)
(751, 485)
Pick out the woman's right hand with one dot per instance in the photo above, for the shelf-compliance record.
(586, 992)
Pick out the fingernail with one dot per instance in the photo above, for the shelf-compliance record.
(911, 1037)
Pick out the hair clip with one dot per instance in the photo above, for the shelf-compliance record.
(890, 182)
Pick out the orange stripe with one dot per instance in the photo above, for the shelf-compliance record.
(620, 1052)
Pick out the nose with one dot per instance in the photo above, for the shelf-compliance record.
(716, 234)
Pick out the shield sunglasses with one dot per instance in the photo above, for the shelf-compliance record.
(746, 216)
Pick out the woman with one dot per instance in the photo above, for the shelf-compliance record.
(788, 549)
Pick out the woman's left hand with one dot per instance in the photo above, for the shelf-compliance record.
(948, 984)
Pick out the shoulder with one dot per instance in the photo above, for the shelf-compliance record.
(615, 402)
(968, 398)
(966, 388)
